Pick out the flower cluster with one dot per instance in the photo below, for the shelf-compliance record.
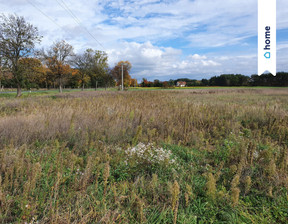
(150, 153)
(78, 172)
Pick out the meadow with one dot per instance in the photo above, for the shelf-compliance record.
(163, 156)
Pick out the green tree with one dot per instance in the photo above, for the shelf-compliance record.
(84, 64)
(205, 82)
(157, 83)
(3, 70)
(100, 74)
(92, 65)
(282, 79)
(17, 40)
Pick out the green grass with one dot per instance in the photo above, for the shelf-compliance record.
(12, 92)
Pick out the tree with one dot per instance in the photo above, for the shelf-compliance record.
(84, 64)
(117, 73)
(134, 82)
(17, 40)
(282, 79)
(157, 83)
(104, 78)
(48, 78)
(32, 71)
(92, 65)
(146, 83)
(57, 59)
(205, 82)
(172, 82)
(1, 77)
(165, 84)
(3, 70)
(100, 73)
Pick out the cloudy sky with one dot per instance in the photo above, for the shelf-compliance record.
(163, 39)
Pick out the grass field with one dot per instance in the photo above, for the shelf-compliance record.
(204, 155)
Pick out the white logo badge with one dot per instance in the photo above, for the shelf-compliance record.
(267, 36)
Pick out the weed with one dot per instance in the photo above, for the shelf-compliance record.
(108, 157)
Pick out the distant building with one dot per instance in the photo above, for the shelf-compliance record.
(181, 84)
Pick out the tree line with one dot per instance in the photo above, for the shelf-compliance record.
(22, 66)
(280, 80)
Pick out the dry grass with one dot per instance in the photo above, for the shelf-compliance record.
(63, 161)
(184, 117)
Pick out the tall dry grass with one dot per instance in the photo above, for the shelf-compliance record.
(63, 158)
(188, 117)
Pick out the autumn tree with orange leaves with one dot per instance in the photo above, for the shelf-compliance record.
(117, 73)
(134, 83)
(57, 59)
(32, 71)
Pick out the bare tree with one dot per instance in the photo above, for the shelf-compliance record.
(57, 58)
(17, 40)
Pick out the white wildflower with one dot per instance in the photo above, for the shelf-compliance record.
(255, 154)
(150, 153)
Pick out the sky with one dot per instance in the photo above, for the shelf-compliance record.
(163, 39)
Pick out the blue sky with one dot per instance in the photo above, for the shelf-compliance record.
(163, 39)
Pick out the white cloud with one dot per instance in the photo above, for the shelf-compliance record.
(134, 31)
(169, 63)
(151, 61)
(197, 56)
